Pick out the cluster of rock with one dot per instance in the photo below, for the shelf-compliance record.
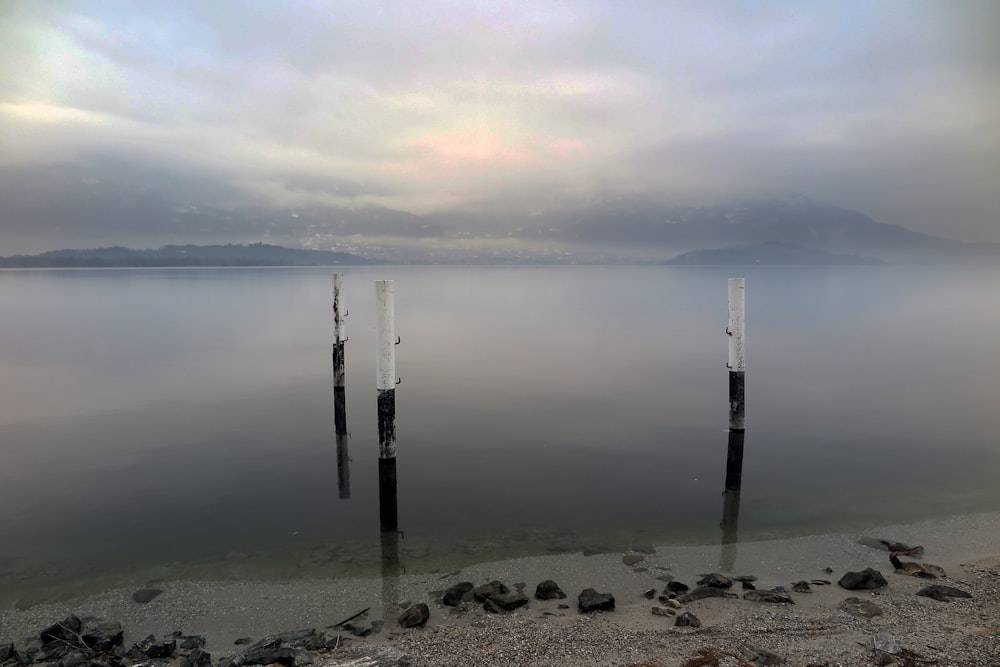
(716, 585)
(497, 597)
(870, 578)
(73, 643)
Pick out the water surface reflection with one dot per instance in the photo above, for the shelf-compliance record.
(183, 417)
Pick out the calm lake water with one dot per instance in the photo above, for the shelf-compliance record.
(181, 422)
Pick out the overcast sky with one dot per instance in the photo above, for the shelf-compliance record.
(890, 108)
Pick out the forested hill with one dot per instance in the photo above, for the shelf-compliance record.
(254, 254)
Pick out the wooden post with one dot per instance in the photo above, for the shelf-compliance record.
(388, 513)
(339, 388)
(343, 457)
(339, 337)
(737, 353)
(387, 491)
(386, 372)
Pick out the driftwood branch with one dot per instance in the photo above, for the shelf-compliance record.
(349, 618)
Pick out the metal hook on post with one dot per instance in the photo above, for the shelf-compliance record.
(398, 340)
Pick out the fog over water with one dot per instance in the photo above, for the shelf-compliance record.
(174, 418)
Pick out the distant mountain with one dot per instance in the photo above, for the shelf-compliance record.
(254, 254)
(107, 201)
(115, 203)
(768, 254)
(641, 226)
(641, 223)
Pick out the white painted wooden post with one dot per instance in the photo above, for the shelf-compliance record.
(385, 343)
(386, 335)
(339, 388)
(339, 336)
(737, 353)
(386, 371)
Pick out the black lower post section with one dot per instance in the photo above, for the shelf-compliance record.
(343, 457)
(731, 500)
(387, 503)
(387, 423)
(737, 408)
(338, 364)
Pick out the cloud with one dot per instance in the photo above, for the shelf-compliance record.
(890, 107)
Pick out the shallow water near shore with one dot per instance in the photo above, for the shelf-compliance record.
(225, 610)
(165, 425)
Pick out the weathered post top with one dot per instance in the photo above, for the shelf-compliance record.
(339, 334)
(737, 325)
(737, 354)
(386, 335)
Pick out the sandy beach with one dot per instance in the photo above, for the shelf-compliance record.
(814, 630)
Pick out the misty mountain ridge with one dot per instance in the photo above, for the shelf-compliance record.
(254, 254)
(70, 204)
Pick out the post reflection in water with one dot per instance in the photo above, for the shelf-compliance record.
(343, 457)
(389, 526)
(731, 501)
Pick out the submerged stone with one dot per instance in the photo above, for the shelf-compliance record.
(942, 593)
(716, 580)
(590, 600)
(549, 590)
(488, 590)
(865, 579)
(687, 620)
(145, 595)
(859, 607)
(703, 592)
(506, 601)
(415, 617)
(776, 597)
(456, 593)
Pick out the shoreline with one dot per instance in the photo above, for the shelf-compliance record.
(812, 629)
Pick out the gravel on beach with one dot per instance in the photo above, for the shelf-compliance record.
(814, 631)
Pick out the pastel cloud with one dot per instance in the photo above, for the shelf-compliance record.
(890, 107)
